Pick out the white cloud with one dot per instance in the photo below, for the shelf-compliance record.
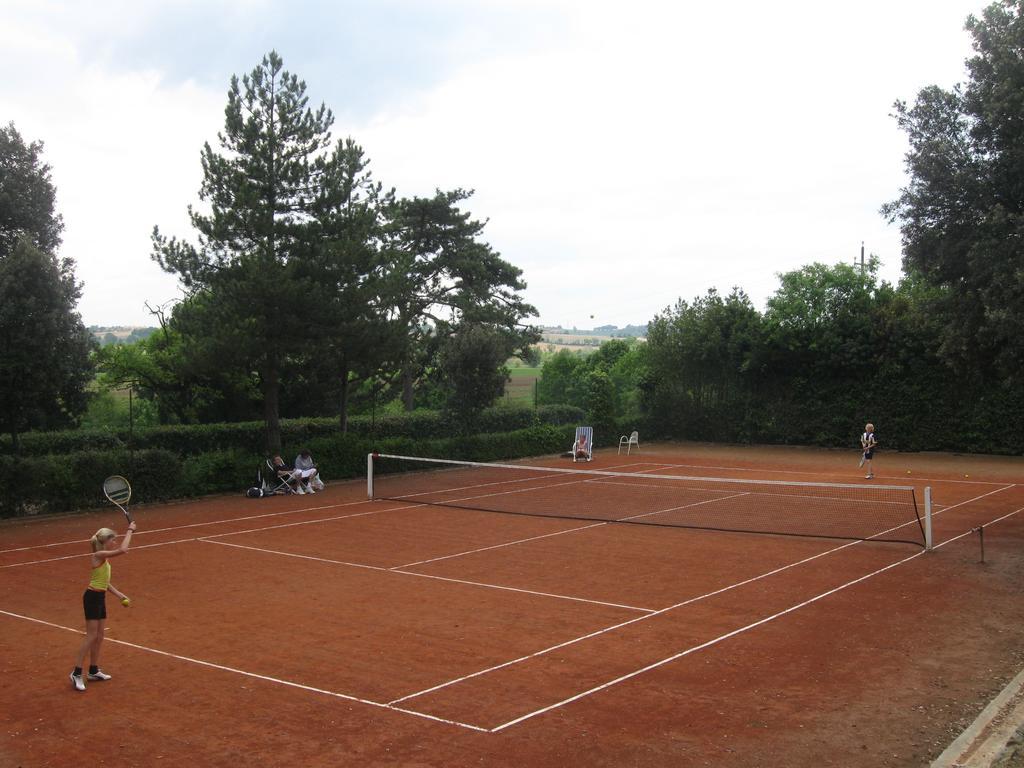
(667, 149)
(124, 149)
(644, 153)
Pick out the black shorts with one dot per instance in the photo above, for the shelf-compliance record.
(869, 454)
(95, 604)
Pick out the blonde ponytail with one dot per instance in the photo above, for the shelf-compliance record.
(101, 537)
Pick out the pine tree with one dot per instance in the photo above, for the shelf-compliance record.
(263, 189)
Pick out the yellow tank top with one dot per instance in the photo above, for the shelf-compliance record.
(100, 578)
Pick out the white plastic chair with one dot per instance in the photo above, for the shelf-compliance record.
(583, 451)
(629, 442)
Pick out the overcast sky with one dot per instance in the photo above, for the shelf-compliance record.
(626, 154)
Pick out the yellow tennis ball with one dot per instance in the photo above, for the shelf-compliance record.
(966, 475)
(126, 602)
(908, 471)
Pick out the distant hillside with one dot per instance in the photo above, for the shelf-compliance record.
(581, 340)
(612, 331)
(120, 334)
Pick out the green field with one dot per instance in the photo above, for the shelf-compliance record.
(520, 385)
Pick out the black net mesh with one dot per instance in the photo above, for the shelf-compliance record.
(838, 511)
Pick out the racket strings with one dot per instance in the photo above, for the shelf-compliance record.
(117, 490)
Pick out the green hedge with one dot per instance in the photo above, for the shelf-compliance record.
(248, 437)
(58, 483)
(61, 483)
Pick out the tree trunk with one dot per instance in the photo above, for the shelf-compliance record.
(407, 393)
(271, 386)
(343, 419)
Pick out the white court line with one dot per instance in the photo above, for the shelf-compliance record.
(553, 706)
(509, 481)
(607, 472)
(837, 473)
(683, 506)
(969, 501)
(406, 711)
(689, 601)
(429, 576)
(230, 533)
(497, 546)
(248, 530)
(508, 543)
(560, 533)
(89, 554)
(195, 525)
(454, 502)
(245, 673)
(403, 710)
(598, 632)
(247, 517)
(297, 523)
(787, 496)
(735, 632)
(695, 648)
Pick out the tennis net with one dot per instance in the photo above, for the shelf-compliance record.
(820, 510)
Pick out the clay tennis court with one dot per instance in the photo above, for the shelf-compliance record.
(333, 630)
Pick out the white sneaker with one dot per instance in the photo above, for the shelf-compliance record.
(309, 488)
(298, 489)
(99, 674)
(868, 477)
(77, 682)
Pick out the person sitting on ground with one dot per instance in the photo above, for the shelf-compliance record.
(294, 477)
(304, 463)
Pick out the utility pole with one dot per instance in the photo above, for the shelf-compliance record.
(862, 257)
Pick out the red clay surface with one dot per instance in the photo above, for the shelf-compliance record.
(329, 630)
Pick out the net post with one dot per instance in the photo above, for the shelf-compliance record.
(369, 475)
(928, 518)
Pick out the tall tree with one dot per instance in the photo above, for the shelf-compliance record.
(441, 274)
(823, 344)
(561, 379)
(352, 335)
(472, 367)
(262, 192)
(180, 376)
(45, 366)
(26, 195)
(821, 318)
(700, 357)
(962, 214)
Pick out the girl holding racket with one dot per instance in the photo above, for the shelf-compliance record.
(104, 547)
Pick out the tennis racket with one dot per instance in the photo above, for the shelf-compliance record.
(117, 489)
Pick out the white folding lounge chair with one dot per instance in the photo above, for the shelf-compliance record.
(629, 442)
(583, 444)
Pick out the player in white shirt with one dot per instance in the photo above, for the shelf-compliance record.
(867, 444)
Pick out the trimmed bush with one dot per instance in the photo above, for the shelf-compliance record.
(65, 441)
(248, 437)
(219, 471)
(62, 483)
(44, 484)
